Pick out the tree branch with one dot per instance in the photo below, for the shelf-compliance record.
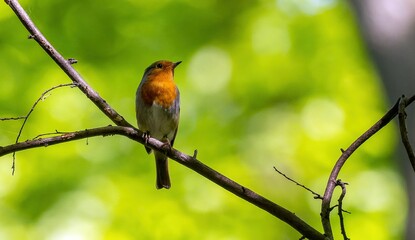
(316, 195)
(340, 208)
(66, 137)
(184, 159)
(126, 129)
(404, 131)
(331, 183)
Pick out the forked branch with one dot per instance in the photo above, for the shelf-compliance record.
(331, 183)
(404, 131)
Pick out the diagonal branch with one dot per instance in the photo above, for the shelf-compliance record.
(316, 195)
(66, 137)
(331, 183)
(183, 159)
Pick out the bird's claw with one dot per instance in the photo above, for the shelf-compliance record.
(146, 136)
(166, 147)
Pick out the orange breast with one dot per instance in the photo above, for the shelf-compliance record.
(159, 89)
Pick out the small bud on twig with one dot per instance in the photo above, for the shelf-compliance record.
(72, 61)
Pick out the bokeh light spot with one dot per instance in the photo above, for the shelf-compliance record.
(202, 199)
(210, 69)
(269, 38)
(310, 7)
(322, 119)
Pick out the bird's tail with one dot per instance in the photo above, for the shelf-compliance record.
(162, 169)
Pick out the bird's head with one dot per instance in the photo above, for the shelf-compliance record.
(162, 68)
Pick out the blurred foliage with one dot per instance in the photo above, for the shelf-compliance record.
(264, 83)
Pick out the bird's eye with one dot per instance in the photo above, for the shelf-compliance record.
(159, 65)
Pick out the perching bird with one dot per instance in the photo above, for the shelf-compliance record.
(158, 110)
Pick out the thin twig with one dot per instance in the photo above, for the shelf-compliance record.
(42, 97)
(316, 195)
(331, 183)
(340, 208)
(12, 118)
(50, 134)
(404, 131)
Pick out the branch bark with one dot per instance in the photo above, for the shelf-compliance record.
(126, 129)
(340, 208)
(404, 131)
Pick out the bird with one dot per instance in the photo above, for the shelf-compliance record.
(158, 112)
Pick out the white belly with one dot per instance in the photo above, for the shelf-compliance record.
(158, 121)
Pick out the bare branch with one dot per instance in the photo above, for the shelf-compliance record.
(184, 159)
(404, 131)
(66, 137)
(316, 195)
(331, 183)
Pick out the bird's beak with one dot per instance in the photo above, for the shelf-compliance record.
(176, 64)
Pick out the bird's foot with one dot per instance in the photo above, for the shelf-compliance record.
(146, 136)
(166, 147)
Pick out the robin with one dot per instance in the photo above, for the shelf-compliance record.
(158, 110)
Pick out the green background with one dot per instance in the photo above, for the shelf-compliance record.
(283, 83)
